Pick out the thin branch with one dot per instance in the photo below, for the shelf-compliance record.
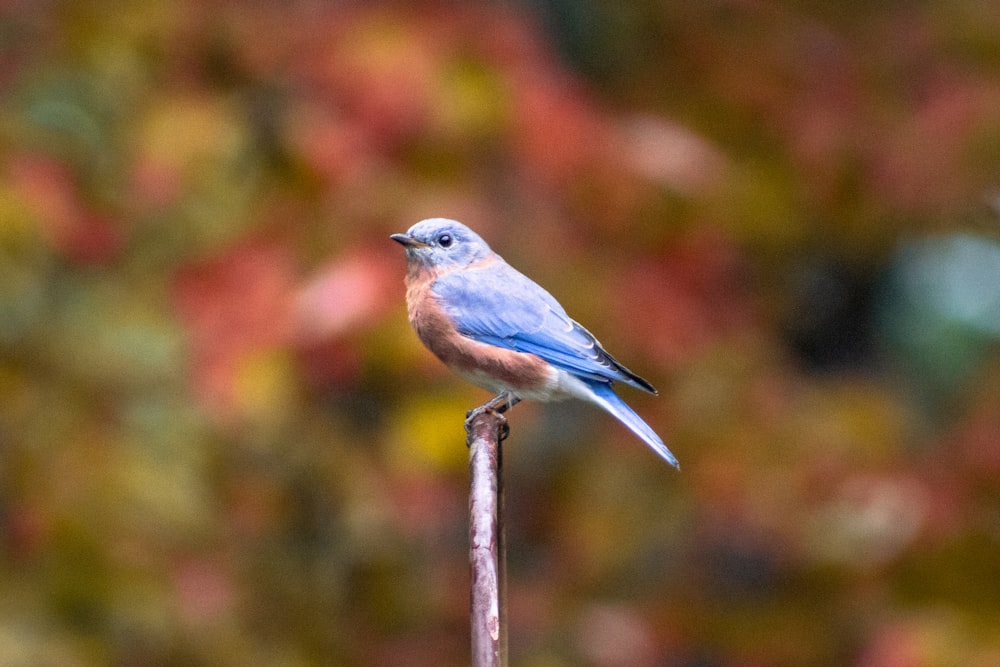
(487, 557)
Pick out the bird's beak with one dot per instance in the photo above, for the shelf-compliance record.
(408, 241)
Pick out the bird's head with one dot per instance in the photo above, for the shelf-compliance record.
(442, 243)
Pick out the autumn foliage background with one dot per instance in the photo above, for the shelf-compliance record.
(221, 444)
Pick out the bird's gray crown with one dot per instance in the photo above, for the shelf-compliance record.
(444, 242)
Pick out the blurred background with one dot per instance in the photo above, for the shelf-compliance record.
(221, 443)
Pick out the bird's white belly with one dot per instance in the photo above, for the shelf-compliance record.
(562, 385)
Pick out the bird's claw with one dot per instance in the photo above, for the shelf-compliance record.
(503, 428)
(475, 412)
(496, 406)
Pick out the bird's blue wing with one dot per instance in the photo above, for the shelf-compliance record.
(500, 306)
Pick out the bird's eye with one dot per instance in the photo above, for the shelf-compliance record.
(445, 240)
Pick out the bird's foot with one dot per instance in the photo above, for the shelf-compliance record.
(503, 426)
(497, 405)
(509, 401)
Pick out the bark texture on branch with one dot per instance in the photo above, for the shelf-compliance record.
(486, 545)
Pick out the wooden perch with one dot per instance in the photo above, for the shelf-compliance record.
(487, 557)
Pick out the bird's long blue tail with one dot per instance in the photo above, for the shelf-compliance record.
(606, 397)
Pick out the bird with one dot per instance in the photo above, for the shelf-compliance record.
(501, 331)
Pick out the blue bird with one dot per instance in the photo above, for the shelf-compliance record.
(501, 331)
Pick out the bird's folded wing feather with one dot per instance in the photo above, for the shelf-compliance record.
(500, 306)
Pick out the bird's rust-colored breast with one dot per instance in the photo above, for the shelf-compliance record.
(487, 365)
